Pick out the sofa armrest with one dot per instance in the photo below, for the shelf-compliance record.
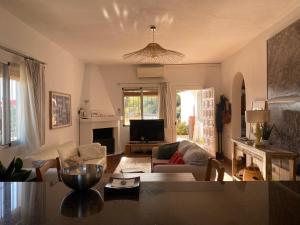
(103, 151)
(154, 152)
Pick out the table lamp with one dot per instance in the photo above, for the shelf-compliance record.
(258, 116)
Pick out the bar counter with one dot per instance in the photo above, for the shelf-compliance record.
(160, 203)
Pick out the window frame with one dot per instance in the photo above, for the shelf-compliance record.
(141, 89)
(6, 109)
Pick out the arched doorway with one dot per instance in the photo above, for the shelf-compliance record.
(238, 106)
(243, 109)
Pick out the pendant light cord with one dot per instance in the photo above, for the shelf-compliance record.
(153, 28)
(153, 35)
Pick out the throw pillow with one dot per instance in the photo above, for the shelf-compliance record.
(179, 160)
(166, 151)
(73, 161)
(90, 151)
(184, 146)
(66, 151)
(174, 157)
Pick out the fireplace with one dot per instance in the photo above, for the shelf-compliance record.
(102, 129)
(105, 136)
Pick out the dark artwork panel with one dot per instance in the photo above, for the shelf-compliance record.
(284, 62)
(286, 117)
(284, 80)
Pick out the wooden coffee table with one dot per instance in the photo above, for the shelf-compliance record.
(153, 177)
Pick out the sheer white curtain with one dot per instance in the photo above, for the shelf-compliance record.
(33, 202)
(32, 105)
(166, 110)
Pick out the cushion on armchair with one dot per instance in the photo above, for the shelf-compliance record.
(66, 151)
(91, 151)
(166, 151)
(73, 161)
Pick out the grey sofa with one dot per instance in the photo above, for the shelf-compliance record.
(194, 156)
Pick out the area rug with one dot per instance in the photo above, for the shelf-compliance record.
(134, 163)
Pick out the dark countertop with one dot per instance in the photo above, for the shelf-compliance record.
(160, 203)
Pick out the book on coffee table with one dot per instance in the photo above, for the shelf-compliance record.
(132, 170)
(122, 188)
(123, 183)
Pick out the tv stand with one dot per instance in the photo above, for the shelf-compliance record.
(141, 144)
(145, 142)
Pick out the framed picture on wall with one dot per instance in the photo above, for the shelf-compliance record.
(60, 110)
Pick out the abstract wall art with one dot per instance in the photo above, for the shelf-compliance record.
(60, 110)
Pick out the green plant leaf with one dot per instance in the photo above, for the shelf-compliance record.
(26, 175)
(2, 172)
(10, 170)
(16, 177)
(21, 176)
(2, 169)
(18, 164)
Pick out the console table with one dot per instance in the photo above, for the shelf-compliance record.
(141, 145)
(264, 155)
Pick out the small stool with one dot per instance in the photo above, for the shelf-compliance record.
(252, 173)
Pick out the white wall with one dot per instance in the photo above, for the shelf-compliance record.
(95, 91)
(251, 62)
(180, 77)
(64, 73)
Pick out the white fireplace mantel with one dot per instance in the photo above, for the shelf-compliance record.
(88, 125)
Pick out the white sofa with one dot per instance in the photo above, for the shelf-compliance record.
(97, 155)
(196, 164)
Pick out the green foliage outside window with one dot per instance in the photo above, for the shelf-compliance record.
(182, 128)
(140, 104)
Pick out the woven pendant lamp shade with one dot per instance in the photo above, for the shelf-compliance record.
(153, 53)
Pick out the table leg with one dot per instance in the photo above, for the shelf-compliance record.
(127, 150)
(267, 173)
(292, 169)
(234, 162)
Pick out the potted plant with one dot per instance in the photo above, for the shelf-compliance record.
(14, 171)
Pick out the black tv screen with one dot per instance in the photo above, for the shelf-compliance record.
(147, 130)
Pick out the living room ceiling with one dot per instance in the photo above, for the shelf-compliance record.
(101, 31)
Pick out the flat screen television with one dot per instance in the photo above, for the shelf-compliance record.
(147, 130)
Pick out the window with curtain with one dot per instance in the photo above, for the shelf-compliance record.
(9, 101)
(140, 103)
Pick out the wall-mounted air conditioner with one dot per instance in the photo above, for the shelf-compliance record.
(150, 71)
